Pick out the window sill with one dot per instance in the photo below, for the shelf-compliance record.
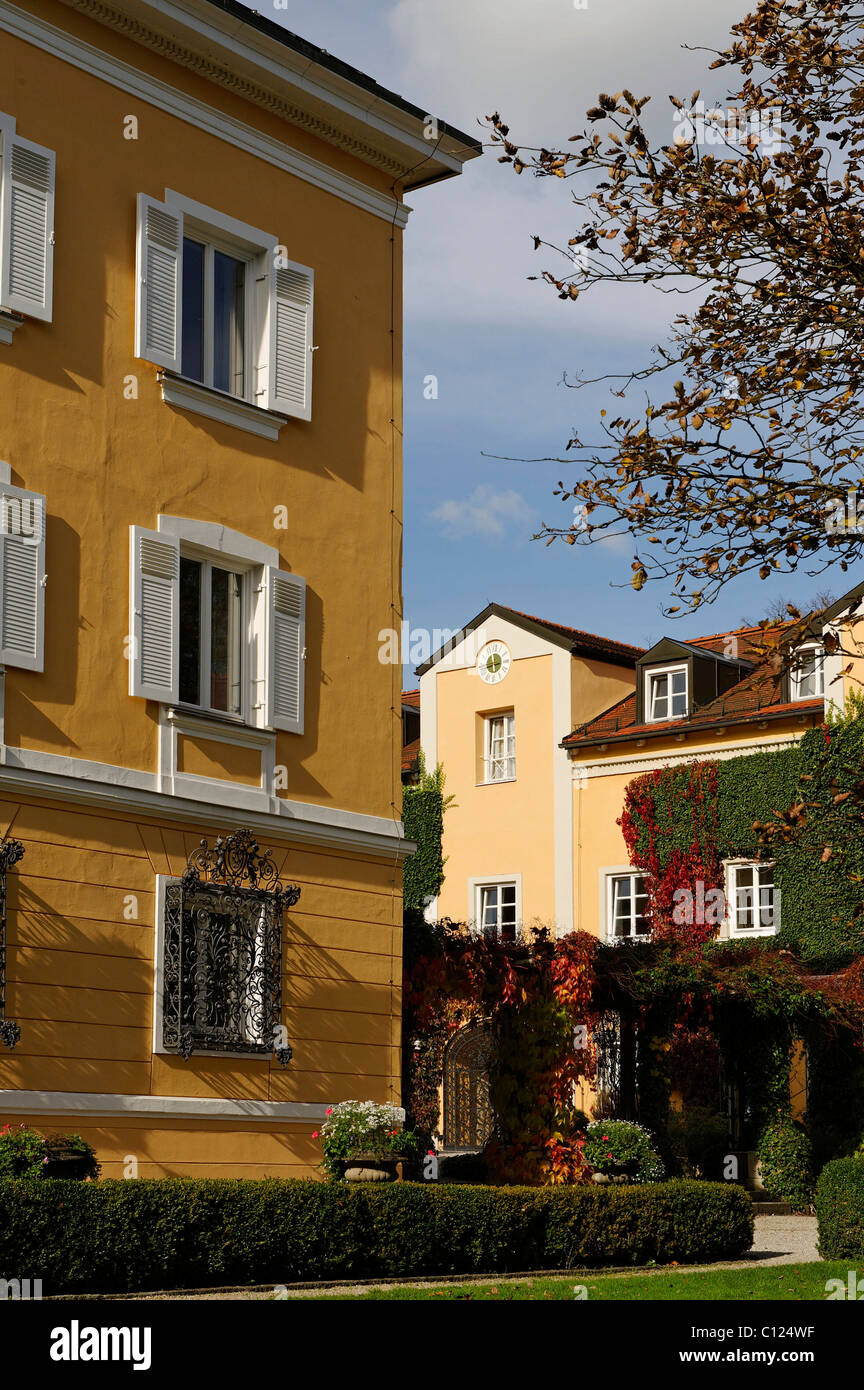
(188, 718)
(219, 405)
(8, 323)
(745, 934)
(496, 782)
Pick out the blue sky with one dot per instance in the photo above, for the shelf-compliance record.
(500, 345)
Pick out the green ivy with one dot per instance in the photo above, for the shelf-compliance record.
(423, 807)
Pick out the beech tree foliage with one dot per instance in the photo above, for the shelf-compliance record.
(748, 456)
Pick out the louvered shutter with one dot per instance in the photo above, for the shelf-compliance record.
(290, 349)
(27, 236)
(154, 622)
(22, 578)
(285, 596)
(159, 284)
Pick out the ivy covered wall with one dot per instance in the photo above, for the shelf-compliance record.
(423, 809)
(682, 822)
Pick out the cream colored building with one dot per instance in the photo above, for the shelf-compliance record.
(540, 728)
(493, 709)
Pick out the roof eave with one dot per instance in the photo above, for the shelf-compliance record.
(387, 129)
(642, 732)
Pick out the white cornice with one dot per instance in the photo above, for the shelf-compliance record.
(97, 63)
(115, 1106)
(55, 777)
(646, 762)
(273, 74)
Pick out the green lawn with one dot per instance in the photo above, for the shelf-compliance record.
(787, 1282)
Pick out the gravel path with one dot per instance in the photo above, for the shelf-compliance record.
(784, 1240)
(778, 1240)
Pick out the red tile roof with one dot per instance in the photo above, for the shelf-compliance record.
(581, 638)
(757, 696)
(410, 754)
(412, 698)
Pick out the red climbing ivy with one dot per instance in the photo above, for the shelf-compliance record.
(538, 998)
(685, 875)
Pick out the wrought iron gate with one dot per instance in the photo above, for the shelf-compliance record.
(468, 1115)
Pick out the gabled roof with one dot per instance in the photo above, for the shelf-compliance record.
(573, 639)
(667, 645)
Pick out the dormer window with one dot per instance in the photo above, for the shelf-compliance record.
(808, 672)
(666, 693)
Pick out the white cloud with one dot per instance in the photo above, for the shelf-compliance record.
(489, 512)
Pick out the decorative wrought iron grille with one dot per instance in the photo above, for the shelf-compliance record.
(11, 851)
(222, 953)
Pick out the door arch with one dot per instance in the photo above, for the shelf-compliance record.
(468, 1115)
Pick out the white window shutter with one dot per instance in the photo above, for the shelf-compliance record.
(289, 374)
(154, 618)
(159, 284)
(22, 578)
(285, 647)
(27, 228)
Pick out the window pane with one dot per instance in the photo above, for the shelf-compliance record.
(228, 280)
(192, 349)
(225, 630)
(809, 675)
(659, 697)
(622, 904)
(190, 631)
(679, 682)
(744, 897)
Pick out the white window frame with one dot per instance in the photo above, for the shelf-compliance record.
(212, 241)
(508, 737)
(608, 878)
(731, 870)
(652, 674)
(251, 579)
(476, 887)
(219, 232)
(795, 675)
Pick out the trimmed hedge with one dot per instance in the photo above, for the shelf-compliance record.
(840, 1209)
(150, 1233)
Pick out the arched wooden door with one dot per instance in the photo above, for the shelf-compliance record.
(467, 1108)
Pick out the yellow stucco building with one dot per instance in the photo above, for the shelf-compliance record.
(200, 347)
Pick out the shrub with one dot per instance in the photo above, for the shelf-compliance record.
(22, 1152)
(840, 1209)
(362, 1126)
(26, 1154)
(620, 1147)
(153, 1233)
(786, 1160)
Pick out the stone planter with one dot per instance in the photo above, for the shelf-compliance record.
(367, 1167)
